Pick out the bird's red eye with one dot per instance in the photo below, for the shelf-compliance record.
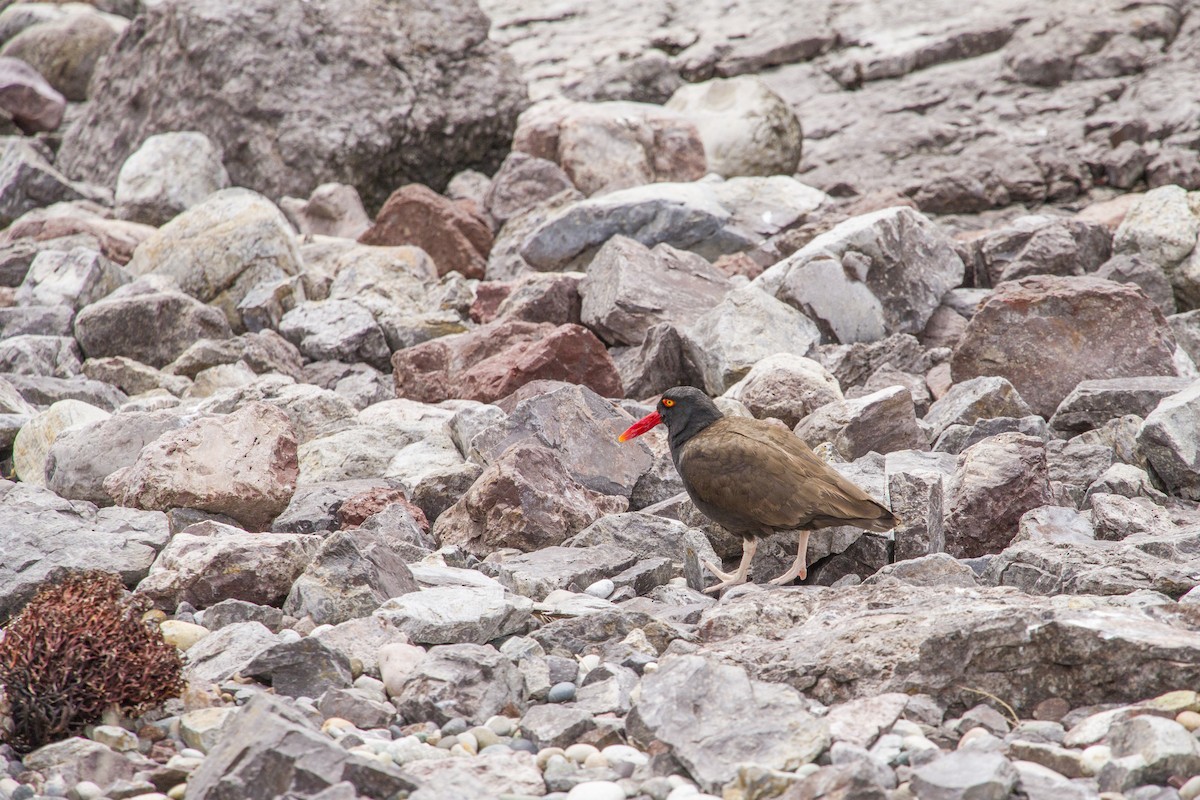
(668, 402)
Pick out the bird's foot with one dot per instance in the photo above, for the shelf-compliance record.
(789, 576)
(711, 567)
(716, 589)
(727, 578)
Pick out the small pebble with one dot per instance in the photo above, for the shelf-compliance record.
(495, 749)
(904, 727)
(467, 739)
(561, 692)
(446, 742)
(1188, 719)
(336, 726)
(455, 726)
(288, 636)
(190, 752)
(523, 745)
(484, 736)
(587, 664)
(85, 790)
(596, 790)
(623, 753)
(649, 666)
(501, 726)
(177, 791)
(1191, 789)
(595, 761)
(680, 792)
(23, 792)
(601, 588)
(544, 755)
(55, 787)
(579, 752)
(461, 751)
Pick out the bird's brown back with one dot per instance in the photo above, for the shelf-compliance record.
(748, 475)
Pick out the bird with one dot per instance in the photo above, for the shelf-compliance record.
(755, 478)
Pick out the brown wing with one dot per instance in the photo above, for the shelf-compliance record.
(761, 474)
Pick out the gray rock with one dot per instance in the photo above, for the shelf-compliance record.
(556, 725)
(478, 778)
(314, 508)
(1056, 525)
(304, 668)
(133, 377)
(537, 574)
(1039, 782)
(28, 181)
(47, 356)
(996, 481)
(686, 704)
(853, 364)
(581, 427)
(745, 327)
(339, 330)
(272, 750)
(1093, 403)
(1167, 438)
(45, 320)
(73, 278)
(1039, 245)
(522, 182)
(442, 66)
(461, 680)
(966, 774)
(228, 612)
(1148, 750)
(356, 706)
(154, 328)
(871, 276)
(352, 574)
(168, 174)
(264, 351)
(76, 759)
(45, 536)
(1186, 327)
(935, 569)
(226, 652)
(957, 438)
(1144, 273)
(881, 422)
(916, 494)
(1115, 517)
(970, 401)
(333, 209)
(787, 387)
(1125, 480)
(453, 614)
(362, 640)
(655, 365)
(630, 288)
(1161, 227)
(647, 536)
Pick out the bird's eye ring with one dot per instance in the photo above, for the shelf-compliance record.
(668, 402)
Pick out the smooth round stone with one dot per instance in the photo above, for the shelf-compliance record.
(495, 749)
(461, 751)
(55, 787)
(623, 753)
(545, 754)
(1188, 719)
(336, 726)
(917, 743)
(804, 770)
(561, 692)
(178, 791)
(317, 631)
(288, 636)
(579, 752)
(182, 634)
(904, 727)
(596, 790)
(501, 726)
(484, 736)
(649, 666)
(191, 752)
(455, 726)
(595, 761)
(23, 792)
(86, 790)
(601, 588)
(446, 742)
(587, 664)
(1191, 789)
(467, 739)
(682, 791)
(1093, 758)
(523, 746)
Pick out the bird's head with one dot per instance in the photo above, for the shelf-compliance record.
(684, 410)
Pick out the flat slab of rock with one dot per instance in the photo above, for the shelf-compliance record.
(648, 536)
(1168, 439)
(454, 614)
(461, 680)
(688, 702)
(1045, 334)
(1093, 403)
(538, 573)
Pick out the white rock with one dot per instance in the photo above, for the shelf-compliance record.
(168, 174)
(33, 441)
(597, 790)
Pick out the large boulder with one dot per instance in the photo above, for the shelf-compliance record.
(320, 78)
(1045, 334)
(1168, 439)
(66, 50)
(153, 328)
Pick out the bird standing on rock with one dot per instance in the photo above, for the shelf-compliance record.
(754, 478)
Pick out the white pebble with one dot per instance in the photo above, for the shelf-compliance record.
(1094, 758)
(917, 743)
(601, 588)
(462, 752)
(191, 752)
(468, 740)
(904, 727)
(623, 753)
(545, 754)
(595, 761)
(1191, 789)
(587, 664)
(317, 631)
(596, 790)
(804, 770)
(682, 791)
(650, 666)
(580, 752)
(677, 582)
(501, 726)
(85, 790)
(287, 636)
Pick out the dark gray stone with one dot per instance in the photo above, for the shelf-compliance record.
(470, 681)
(307, 668)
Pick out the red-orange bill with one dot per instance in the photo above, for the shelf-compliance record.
(641, 426)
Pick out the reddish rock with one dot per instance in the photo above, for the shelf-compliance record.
(522, 182)
(455, 238)
(117, 238)
(28, 98)
(491, 362)
(1046, 334)
(544, 297)
(355, 509)
(488, 297)
(527, 500)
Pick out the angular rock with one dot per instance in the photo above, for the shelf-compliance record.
(477, 778)
(747, 326)
(133, 377)
(338, 330)
(437, 62)
(333, 209)
(32, 103)
(350, 576)
(1091, 404)
(854, 364)
(996, 481)
(31, 448)
(77, 759)
(871, 276)
(522, 182)
(957, 438)
(210, 562)
(555, 725)
(457, 239)
(153, 328)
(73, 278)
(455, 614)
(1163, 747)
(537, 574)
(65, 50)
(1046, 334)
(1142, 272)
(224, 653)
(787, 387)
(264, 351)
(273, 750)
(746, 128)
(686, 704)
(471, 681)
(966, 773)
(630, 288)
(28, 181)
(168, 174)
(81, 223)
(538, 297)
(935, 569)
(880, 422)
(647, 536)
(525, 499)
(242, 464)
(1039, 245)
(1168, 440)
(1162, 226)
(303, 668)
(916, 498)
(656, 365)
(581, 428)
(976, 399)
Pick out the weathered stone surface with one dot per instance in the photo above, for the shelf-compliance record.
(336, 330)
(935, 569)
(455, 237)
(1145, 274)
(31, 448)
(554, 725)
(168, 174)
(210, 562)
(854, 364)
(303, 668)
(454, 614)
(965, 773)
(996, 481)
(745, 327)
(1168, 440)
(272, 750)
(72, 278)
(522, 182)
(581, 427)
(471, 681)
(604, 147)
(1148, 750)
(537, 574)
(477, 778)
(539, 297)
(28, 98)
(1039, 245)
(1093, 403)
(870, 276)
(83, 456)
(647, 536)
(45, 356)
(333, 209)
(525, 499)
(45, 536)
(881, 422)
(352, 574)
(787, 387)
(154, 327)
(493, 361)
(77, 759)
(263, 351)
(746, 128)
(1046, 334)
(437, 63)
(686, 703)
(656, 365)
(973, 400)
(71, 223)
(242, 464)
(630, 288)
(28, 182)
(66, 50)
(1162, 226)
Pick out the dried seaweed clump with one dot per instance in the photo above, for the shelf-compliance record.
(78, 648)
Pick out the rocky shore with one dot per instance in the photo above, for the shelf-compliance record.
(319, 322)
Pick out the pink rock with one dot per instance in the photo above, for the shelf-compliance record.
(241, 464)
(526, 500)
(333, 209)
(28, 98)
(117, 238)
(454, 235)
